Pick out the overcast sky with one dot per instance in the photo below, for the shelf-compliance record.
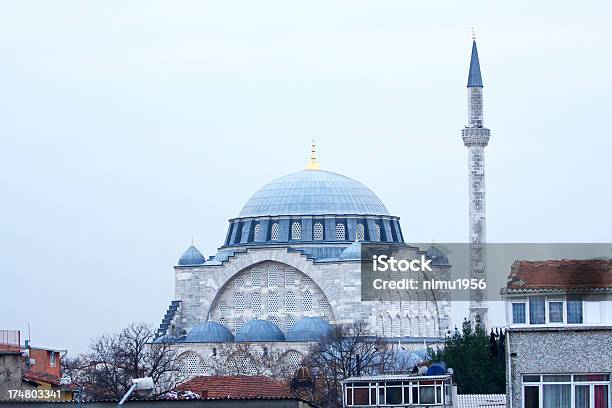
(127, 127)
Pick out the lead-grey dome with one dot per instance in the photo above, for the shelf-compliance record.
(313, 192)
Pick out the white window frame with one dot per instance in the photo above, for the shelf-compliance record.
(547, 300)
(572, 383)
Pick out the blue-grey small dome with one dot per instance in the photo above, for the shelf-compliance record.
(166, 338)
(191, 257)
(260, 330)
(308, 329)
(209, 332)
(437, 257)
(313, 192)
(352, 252)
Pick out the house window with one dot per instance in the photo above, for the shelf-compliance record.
(555, 312)
(52, 361)
(566, 390)
(296, 230)
(340, 232)
(317, 231)
(518, 313)
(377, 232)
(274, 233)
(537, 306)
(574, 309)
(289, 277)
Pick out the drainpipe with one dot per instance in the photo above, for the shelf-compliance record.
(509, 368)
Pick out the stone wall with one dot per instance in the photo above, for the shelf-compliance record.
(554, 351)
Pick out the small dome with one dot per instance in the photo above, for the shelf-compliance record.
(191, 257)
(260, 330)
(352, 252)
(209, 332)
(437, 257)
(308, 329)
(166, 338)
(437, 368)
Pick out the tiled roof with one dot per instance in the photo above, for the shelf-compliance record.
(481, 400)
(561, 274)
(240, 386)
(41, 377)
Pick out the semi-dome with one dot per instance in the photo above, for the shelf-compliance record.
(308, 329)
(313, 192)
(260, 330)
(191, 256)
(209, 332)
(437, 257)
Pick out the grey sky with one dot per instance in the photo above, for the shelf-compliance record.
(126, 128)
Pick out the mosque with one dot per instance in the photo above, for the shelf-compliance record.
(290, 266)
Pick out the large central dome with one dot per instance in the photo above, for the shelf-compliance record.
(313, 192)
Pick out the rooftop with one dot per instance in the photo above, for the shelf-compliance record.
(566, 274)
(239, 386)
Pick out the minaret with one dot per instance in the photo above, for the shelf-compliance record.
(475, 138)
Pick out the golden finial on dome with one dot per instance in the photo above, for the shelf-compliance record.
(313, 163)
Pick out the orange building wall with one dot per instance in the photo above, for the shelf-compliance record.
(43, 363)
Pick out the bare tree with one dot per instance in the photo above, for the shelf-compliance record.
(349, 350)
(115, 359)
(251, 359)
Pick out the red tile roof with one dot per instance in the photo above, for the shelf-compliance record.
(564, 274)
(41, 377)
(239, 386)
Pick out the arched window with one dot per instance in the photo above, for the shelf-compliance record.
(256, 232)
(388, 326)
(273, 302)
(289, 321)
(378, 233)
(191, 364)
(379, 326)
(273, 276)
(325, 307)
(238, 324)
(239, 282)
(360, 232)
(307, 301)
(340, 232)
(296, 230)
(290, 302)
(224, 322)
(416, 327)
(293, 358)
(317, 231)
(222, 306)
(289, 277)
(256, 302)
(423, 328)
(397, 326)
(256, 277)
(239, 302)
(273, 319)
(274, 233)
(406, 327)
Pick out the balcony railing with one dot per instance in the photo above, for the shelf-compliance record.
(9, 340)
